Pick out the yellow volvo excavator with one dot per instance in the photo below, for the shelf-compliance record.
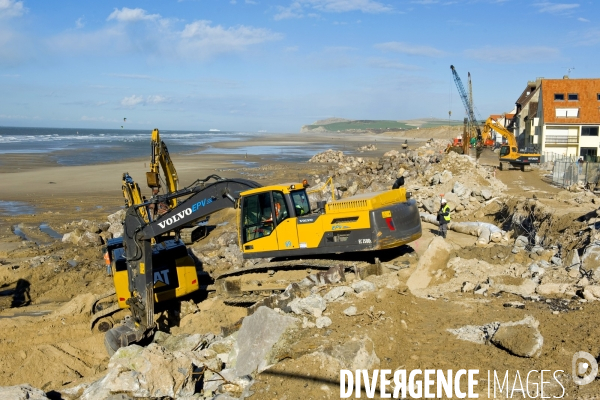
(273, 221)
(510, 154)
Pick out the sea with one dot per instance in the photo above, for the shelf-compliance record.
(68, 146)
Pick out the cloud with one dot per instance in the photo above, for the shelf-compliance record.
(300, 8)
(200, 39)
(160, 38)
(11, 8)
(555, 8)
(134, 100)
(389, 64)
(583, 20)
(404, 48)
(131, 15)
(589, 38)
(513, 55)
(79, 23)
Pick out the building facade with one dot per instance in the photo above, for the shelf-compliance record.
(567, 118)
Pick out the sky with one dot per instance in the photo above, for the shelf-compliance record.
(257, 65)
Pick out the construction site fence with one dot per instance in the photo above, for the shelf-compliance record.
(567, 173)
(548, 156)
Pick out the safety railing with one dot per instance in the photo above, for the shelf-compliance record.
(567, 173)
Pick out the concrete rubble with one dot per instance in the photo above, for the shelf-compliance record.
(516, 251)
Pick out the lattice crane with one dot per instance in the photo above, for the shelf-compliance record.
(466, 101)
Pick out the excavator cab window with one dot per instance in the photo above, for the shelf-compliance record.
(257, 216)
(281, 210)
(301, 204)
(504, 151)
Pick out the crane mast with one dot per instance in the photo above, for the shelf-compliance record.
(467, 100)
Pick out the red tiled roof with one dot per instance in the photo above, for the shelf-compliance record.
(588, 103)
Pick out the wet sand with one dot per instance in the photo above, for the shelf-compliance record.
(33, 177)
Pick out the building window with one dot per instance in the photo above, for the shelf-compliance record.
(588, 153)
(567, 112)
(589, 131)
(573, 97)
(598, 96)
(559, 96)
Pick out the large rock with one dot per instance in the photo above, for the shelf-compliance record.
(435, 257)
(363, 286)
(22, 392)
(337, 292)
(460, 190)
(313, 305)
(257, 336)
(520, 338)
(145, 372)
(590, 260)
(116, 223)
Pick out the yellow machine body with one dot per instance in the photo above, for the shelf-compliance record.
(370, 221)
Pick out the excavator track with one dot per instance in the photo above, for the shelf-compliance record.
(242, 287)
(104, 312)
(322, 264)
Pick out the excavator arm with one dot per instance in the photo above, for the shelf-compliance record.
(161, 157)
(491, 124)
(203, 199)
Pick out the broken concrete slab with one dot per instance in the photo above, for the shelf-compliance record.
(521, 338)
(256, 338)
(149, 371)
(475, 333)
(435, 257)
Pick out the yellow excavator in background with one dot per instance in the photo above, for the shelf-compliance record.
(510, 154)
(273, 221)
(176, 274)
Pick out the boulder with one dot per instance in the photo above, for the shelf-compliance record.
(446, 176)
(460, 190)
(22, 392)
(116, 223)
(363, 286)
(337, 292)
(435, 257)
(350, 311)
(89, 239)
(520, 338)
(590, 260)
(152, 371)
(323, 322)
(313, 305)
(257, 336)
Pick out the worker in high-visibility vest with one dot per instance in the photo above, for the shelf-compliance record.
(444, 218)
